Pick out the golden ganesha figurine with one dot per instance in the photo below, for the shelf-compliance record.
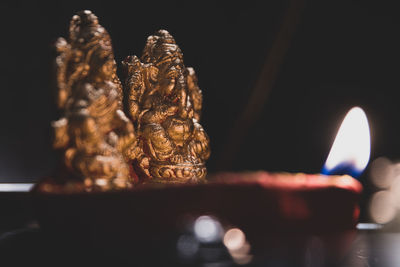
(94, 135)
(164, 103)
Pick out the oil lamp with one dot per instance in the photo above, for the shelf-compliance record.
(316, 202)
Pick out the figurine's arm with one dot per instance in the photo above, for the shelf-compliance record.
(64, 53)
(159, 113)
(200, 145)
(184, 106)
(126, 139)
(61, 137)
(135, 84)
(194, 93)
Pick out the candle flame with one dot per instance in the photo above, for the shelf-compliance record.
(351, 149)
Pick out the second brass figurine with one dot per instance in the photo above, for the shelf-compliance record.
(164, 103)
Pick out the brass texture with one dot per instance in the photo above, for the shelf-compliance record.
(94, 135)
(164, 103)
(101, 148)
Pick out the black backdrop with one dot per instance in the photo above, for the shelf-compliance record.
(342, 54)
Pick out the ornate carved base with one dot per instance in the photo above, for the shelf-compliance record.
(178, 173)
(71, 185)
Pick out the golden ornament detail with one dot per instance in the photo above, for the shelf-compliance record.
(164, 103)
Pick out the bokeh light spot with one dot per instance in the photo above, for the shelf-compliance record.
(234, 239)
(207, 229)
(382, 207)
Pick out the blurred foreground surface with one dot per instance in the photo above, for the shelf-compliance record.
(202, 241)
(367, 248)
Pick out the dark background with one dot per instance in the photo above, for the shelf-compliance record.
(342, 54)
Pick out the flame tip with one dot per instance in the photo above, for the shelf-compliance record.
(350, 151)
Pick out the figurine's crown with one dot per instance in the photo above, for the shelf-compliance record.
(161, 48)
(84, 18)
(85, 29)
